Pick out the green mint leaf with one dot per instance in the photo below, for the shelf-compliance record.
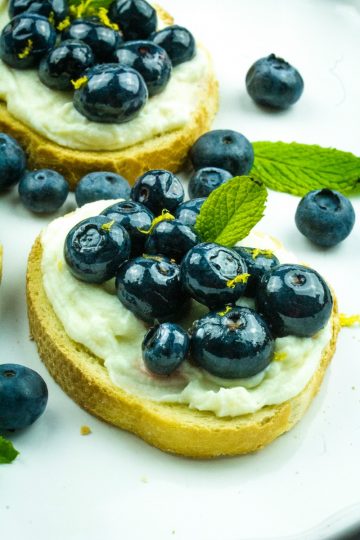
(231, 211)
(7, 452)
(298, 168)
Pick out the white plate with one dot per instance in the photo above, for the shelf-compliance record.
(305, 485)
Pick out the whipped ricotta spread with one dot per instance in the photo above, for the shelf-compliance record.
(51, 112)
(93, 316)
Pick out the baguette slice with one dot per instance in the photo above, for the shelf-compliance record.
(170, 427)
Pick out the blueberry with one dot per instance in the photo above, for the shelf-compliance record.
(111, 94)
(273, 82)
(58, 8)
(137, 19)
(150, 60)
(94, 249)
(213, 275)
(23, 396)
(135, 218)
(236, 344)
(258, 262)
(65, 63)
(43, 190)
(177, 41)
(158, 190)
(205, 180)
(172, 239)
(325, 217)
(188, 211)
(150, 287)
(96, 186)
(165, 347)
(25, 39)
(294, 300)
(225, 149)
(12, 161)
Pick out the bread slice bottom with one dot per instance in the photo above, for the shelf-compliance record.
(170, 427)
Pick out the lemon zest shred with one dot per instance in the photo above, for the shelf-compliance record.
(164, 216)
(348, 320)
(157, 258)
(65, 23)
(265, 252)
(27, 50)
(226, 310)
(241, 278)
(280, 356)
(104, 18)
(79, 82)
(51, 18)
(107, 226)
(60, 266)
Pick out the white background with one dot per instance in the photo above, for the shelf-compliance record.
(305, 485)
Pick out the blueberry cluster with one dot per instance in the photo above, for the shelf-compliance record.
(161, 266)
(114, 58)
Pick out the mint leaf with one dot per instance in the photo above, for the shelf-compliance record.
(298, 168)
(7, 452)
(231, 211)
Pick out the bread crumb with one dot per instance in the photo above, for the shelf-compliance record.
(348, 320)
(85, 430)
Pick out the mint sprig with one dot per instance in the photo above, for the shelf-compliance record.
(231, 211)
(298, 168)
(7, 451)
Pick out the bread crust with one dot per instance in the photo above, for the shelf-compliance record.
(171, 427)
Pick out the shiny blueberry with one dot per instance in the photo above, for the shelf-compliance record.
(56, 8)
(188, 211)
(158, 190)
(23, 396)
(135, 218)
(294, 300)
(95, 248)
(137, 19)
(25, 39)
(150, 287)
(111, 94)
(165, 347)
(172, 239)
(103, 40)
(274, 83)
(150, 60)
(177, 41)
(325, 217)
(225, 149)
(205, 180)
(232, 345)
(65, 63)
(258, 261)
(101, 185)
(214, 275)
(43, 190)
(12, 161)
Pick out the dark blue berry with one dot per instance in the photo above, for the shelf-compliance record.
(205, 180)
(43, 190)
(25, 40)
(137, 19)
(95, 248)
(103, 40)
(12, 161)
(258, 262)
(225, 149)
(273, 82)
(150, 60)
(177, 41)
(56, 8)
(158, 190)
(236, 344)
(111, 94)
(100, 185)
(294, 300)
(325, 217)
(172, 239)
(23, 396)
(165, 347)
(188, 211)
(208, 273)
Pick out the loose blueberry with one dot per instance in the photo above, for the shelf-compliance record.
(23, 396)
(325, 217)
(137, 19)
(188, 211)
(150, 287)
(258, 262)
(205, 180)
(56, 8)
(12, 161)
(273, 82)
(233, 345)
(43, 190)
(150, 60)
(294, 300)
(101, 185)
(225, 149)
(172, 239)
(111, 94)
(165, 347)
(95, 248)
(158, 189)
(214, 275)
(177, 41)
